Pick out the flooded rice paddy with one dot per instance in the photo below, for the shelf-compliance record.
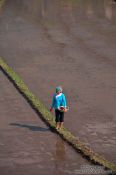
(50, 43)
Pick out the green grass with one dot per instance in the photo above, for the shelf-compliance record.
(49, 119)
(1, 3)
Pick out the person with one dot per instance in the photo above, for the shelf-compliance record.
(58, 100)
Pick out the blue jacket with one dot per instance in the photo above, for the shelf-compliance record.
(59, 100)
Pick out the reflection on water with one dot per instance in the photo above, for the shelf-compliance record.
(60, 156)
(51, 9)
(60, 150)
(109, 10)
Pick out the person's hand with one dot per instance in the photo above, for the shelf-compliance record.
(51, 109)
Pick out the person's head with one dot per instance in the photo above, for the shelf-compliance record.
(58, 89)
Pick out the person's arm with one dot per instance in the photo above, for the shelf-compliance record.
(53, 102)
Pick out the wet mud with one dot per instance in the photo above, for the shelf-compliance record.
(73, 44)
(27, 145)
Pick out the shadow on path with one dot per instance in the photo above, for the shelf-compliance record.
(31, 127)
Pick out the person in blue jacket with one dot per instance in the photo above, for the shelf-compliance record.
(59, 100)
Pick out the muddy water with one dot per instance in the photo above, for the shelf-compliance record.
(27, 146)
(73, 44)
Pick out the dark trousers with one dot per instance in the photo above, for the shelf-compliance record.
(59, 116)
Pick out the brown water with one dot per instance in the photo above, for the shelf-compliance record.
(27, 146)
(73, 44)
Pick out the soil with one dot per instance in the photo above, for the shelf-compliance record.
(72, 44)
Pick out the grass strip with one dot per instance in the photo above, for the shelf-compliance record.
(2, 3)
(49, 119)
